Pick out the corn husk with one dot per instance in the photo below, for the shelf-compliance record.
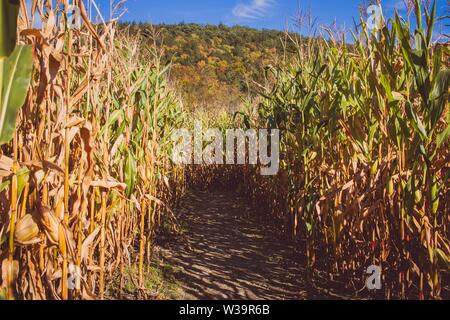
(27, 231)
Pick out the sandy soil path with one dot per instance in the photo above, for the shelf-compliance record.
(228, 255)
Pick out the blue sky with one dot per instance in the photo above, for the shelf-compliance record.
(270, 14)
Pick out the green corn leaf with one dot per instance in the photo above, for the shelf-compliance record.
(434, 195)
(3, 291)
(22, 178)
(16, 79)
(418, 12)
(430, 23)
(130, 174)
(442, 137)
(113, 118)
(4, 185)
(309, 227)
(438, 95)
(442, 258)
(416, 122)
(437, 62)
(9, 10)
(403, 34)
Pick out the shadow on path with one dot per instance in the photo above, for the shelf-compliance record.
(230, 256)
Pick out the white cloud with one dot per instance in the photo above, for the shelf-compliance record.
(256, 9)
(399, 5)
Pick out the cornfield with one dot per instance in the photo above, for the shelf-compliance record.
(366, 161)
(86, 179)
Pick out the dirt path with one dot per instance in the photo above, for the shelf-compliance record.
(230, 256)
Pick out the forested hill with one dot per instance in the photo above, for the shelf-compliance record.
(212, 65)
